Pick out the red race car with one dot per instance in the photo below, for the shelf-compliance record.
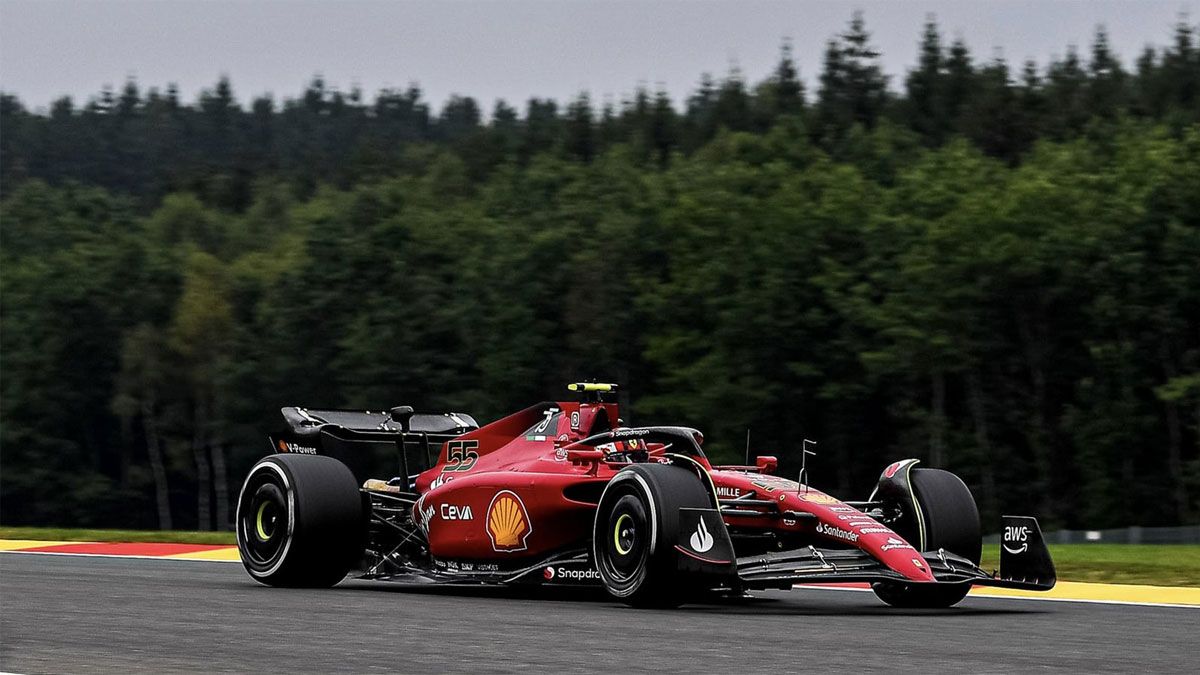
(564, 493)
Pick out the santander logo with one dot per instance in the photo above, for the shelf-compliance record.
(701, 540)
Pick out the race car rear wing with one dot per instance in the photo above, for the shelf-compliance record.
(398, 419)
(397, 443)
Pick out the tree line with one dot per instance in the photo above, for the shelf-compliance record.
(994, 272)
(149, 144)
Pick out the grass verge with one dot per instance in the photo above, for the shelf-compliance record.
(1153, 564)
(70, 534)
(1158, 565)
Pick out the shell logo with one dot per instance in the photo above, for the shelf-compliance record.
(508, 522)
(818, 498)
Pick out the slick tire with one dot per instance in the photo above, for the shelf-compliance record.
(949, 520)
(634, 534)
(300, 521)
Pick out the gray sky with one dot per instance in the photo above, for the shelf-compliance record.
(511, 50)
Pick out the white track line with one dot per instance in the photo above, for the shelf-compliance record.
(1016, 597)
(115, 555)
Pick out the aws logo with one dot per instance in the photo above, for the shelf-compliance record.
(508, 522)
(1015, 535)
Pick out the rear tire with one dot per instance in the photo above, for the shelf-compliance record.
(634, 534)
(950, 521)
(299, 521)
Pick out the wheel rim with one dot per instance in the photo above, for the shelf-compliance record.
(624, 552)
(624, 534)
(264, 521)
(263, 524)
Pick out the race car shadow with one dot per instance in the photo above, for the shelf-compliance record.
(846, 603)
(549, 593)
(779, 603)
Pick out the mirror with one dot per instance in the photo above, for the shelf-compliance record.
(401, 414)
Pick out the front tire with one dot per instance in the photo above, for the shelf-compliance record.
(948, 519)
(299, 521)
(634, 534)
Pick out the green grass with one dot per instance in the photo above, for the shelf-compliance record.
(1160, 565)
(68, 534)
(1155, 564)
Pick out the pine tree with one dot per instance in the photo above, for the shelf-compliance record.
(781, 94)
(459, 118)
(1066, 96)
(1106, 95)
(663, 131)
(925, 89)
(853, 86)
(732, 108)
(699, 120)
(579, 142)
(1180, 73)
(993, 119)
(865, 82)
(960, 85)
(542, 128)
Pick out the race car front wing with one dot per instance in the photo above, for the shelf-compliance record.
(1024, 563)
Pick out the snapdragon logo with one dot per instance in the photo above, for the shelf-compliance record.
(569, 574)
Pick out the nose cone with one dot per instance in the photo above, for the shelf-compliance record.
(918, 570)
(845, 525)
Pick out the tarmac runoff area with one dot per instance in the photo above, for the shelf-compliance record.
(71, 607)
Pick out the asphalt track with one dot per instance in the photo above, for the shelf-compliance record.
(88, 614)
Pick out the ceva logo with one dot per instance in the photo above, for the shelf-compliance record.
(454, 512)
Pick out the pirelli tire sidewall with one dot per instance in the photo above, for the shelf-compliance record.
(300, 521)
(659, 490)
(949, 519)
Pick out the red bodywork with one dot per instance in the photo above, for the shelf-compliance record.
(520, 490)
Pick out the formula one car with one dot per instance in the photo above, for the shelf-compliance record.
(563, 493)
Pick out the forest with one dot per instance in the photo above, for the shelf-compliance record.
(992, 267)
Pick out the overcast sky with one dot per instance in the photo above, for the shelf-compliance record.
(511, 50)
